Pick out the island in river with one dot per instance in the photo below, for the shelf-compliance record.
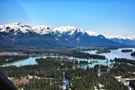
(126, 50)
(133, 54)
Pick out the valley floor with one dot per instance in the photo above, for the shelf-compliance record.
(67, 74)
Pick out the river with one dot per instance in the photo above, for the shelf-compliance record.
(32, 61)
(115, 53)
(111, 55)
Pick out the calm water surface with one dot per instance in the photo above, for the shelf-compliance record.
(115, 53)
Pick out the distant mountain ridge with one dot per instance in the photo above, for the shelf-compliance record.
(45, 37)
(128, 40)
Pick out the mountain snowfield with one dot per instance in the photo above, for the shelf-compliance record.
(91, 33)
(19, 34)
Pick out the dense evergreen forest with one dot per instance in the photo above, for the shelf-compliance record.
(46, 68)
(49, 70)
(123, 69)
(86, 79)
(90, 81)
(125, 60)
(42, 84)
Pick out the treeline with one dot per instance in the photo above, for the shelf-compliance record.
(83, 62)
(63, 52)
(125, 60)
(10, 59)
(99, 51)
(126, 50)
(132, 84)
(77, 54)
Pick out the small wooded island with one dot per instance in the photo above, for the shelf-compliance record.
(103, 51)
(126, 50)
(133, 53)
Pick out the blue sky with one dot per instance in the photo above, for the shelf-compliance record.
(110, 17)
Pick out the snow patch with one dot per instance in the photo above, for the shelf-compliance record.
(130, 37)
(91, 33)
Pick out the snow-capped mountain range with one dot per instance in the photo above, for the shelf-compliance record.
(130, 37)
(65, 36)
(127, 39)
(18, 27)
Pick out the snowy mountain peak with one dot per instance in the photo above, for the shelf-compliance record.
(17, 23)
(14, 27)
(18, 27)
(91, 33)
(68, 29)
(41, 29)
